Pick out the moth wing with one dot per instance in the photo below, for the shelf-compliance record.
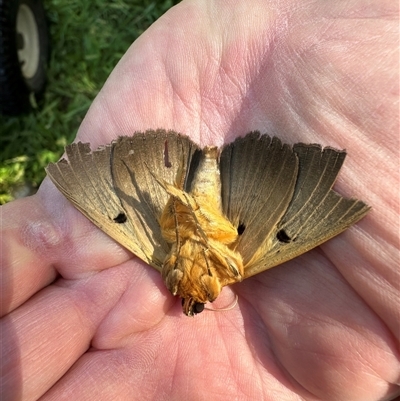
(138, 163)
(87, 179)
(258, 176)
(315, 214)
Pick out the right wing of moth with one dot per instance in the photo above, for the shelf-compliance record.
(315, 214)
(258, 176)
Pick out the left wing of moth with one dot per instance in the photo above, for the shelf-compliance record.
(86, 181)
(138, 164)
(114, 186)
(315, 214)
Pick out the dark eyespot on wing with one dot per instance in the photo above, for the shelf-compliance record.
(241, 228)
(282, 236)
(121, 218)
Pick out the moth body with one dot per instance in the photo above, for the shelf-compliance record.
(202, 259)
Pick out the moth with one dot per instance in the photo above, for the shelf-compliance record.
(207, 218)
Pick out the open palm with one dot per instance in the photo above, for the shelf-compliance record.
(83, 319)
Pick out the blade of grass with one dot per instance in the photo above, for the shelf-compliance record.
(88, 37)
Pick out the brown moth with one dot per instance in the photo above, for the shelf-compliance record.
(207, 218)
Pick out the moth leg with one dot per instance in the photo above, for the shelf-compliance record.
(178, 238)
(171, 274)
(206, 260)
(193, 213)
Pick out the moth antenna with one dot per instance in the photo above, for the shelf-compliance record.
(154, 176)
(227, 308)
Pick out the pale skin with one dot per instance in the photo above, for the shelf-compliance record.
(83, 319)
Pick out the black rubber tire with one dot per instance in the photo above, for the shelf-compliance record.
(17, 83)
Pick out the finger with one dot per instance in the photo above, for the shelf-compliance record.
(44, 337)
(25, 261)
(43, 236)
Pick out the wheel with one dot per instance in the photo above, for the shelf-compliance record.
(24, 50)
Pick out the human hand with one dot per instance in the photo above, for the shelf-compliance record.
(84, 319)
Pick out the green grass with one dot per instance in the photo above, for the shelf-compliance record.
(88, 37)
